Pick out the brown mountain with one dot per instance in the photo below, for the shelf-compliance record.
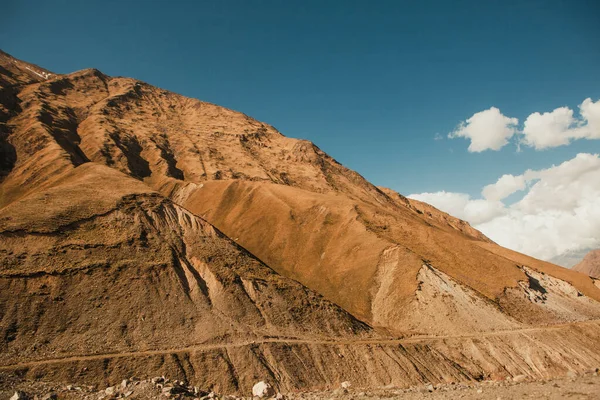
(590, 265)
(143, 232)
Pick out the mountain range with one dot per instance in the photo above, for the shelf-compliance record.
(143, 232)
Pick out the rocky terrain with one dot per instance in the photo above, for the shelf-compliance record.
(584, 386)
(143, 233)
(590, 265)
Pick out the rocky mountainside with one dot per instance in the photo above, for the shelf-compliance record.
(144, 232)
(590, 265)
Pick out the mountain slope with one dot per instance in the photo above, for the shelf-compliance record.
(290, 204)
(95, 261)
(590, 265)
(113, 198)
(570, 258)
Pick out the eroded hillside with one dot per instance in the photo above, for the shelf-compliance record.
(113, 197)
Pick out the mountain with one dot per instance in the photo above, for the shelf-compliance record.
(590, 265)
(144, 233)
(570, 258)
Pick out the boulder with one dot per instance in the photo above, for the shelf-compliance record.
(262, 389)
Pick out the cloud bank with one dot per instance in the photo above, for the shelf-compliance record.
(559, 212)
(491, 130)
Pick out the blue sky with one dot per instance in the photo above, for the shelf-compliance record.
(370, 82)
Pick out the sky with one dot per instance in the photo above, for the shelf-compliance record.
(434, 99)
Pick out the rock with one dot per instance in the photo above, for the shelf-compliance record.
(157, 379)
(50, 396)
(69, 387)
(340, 392)
(175, 390)
(428, 388)
(262, 389)
(346, 385)
(19, 396)
(124, 383)
(572, 374)
(110, 390)
(479, 391)
(279, 397)
(519, 378)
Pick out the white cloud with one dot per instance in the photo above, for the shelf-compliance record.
(504, 187)
(550, 129)
(487, 130)
(590, 112)
(491, 130)
(560, 211)
(564, 186)
(460, 205)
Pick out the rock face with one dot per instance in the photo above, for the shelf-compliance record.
(143, 233)
(590, 265)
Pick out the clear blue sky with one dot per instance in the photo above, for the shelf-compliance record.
(370, 82)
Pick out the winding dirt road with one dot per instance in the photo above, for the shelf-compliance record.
(213, 346)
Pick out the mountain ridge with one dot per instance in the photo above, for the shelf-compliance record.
(135, 219)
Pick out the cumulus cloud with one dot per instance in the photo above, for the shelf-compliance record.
(590, 112)
(504, 187)
(550, 129)
(559, 212)
(460, 205)
(491, 130)
(487, 130)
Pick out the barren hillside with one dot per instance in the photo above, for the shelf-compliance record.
(590, 265)
(142, 231)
